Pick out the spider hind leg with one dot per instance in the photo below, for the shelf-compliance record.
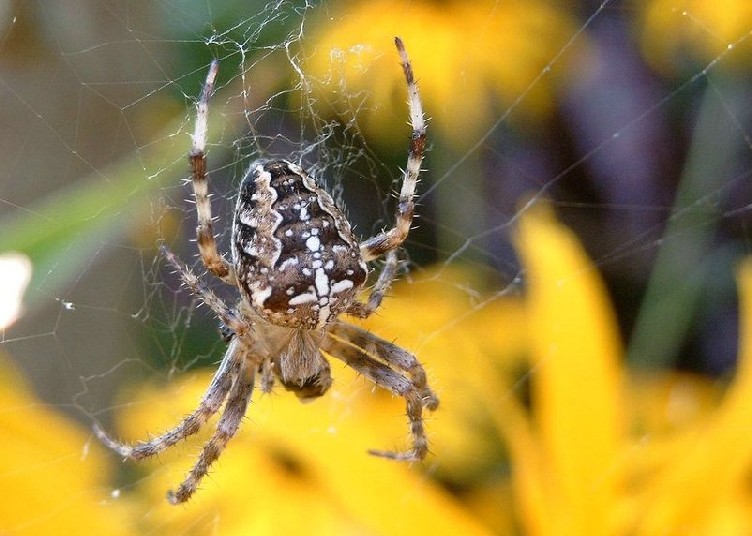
(375, 368)
(227, 427)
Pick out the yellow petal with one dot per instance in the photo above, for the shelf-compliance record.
(52, 477)
(575, 374)
(713, 464)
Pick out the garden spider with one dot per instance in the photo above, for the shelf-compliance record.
(298, 267)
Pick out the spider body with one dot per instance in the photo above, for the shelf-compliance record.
(297, 261)
(297, 267)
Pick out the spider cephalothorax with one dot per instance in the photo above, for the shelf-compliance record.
(297, 266)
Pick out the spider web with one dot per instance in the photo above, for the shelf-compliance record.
(102, 99)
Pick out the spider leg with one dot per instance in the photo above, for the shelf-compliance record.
(207, 245)
(387, 378)
(209, 405)
(391, 354)
(229, 318)
(387, 240)
(364, 310)
(227, 427)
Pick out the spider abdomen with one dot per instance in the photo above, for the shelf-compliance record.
(297, 261)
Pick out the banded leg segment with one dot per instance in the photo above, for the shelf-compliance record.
(392, 355)
(388, 272)
(207, 244)
(227, 427)
(394, 237)
(209, 405)
(385, 377)
(227, 316)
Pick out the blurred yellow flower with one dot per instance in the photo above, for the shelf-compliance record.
(471, 59)
(52, 478)
(574, 466)
(575, 469)
(702, 29)
(570, 460)
(589, 449)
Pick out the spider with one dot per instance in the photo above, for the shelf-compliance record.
(297, 266)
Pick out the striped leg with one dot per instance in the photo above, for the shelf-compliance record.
(227, 427)
(383, 376)
(209, 405)
(207, 245)
(227, 316)
(364, 310)
(391, 239)
(392, 355)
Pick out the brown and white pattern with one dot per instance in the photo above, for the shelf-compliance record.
(298, 267)
(298, 263)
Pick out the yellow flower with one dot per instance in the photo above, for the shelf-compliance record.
(574, 353)
(703, 28)
(471, 59)
(52, 477)
(576, 471)
(593, 449)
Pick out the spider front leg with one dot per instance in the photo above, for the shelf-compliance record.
(392, 355)
(385, 241)
(219, 386)
(207, 244)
